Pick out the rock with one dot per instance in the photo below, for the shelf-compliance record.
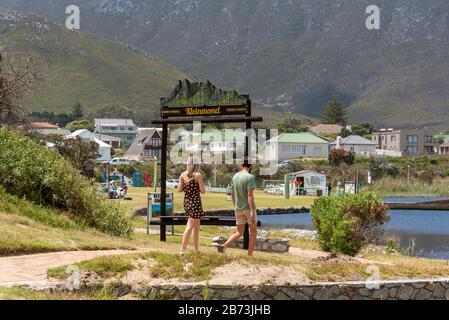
(446, 295)
(322, 294)
(438, 291)
(308, 291)
(185, 294)
(335, 290)
(290, 292)
(270, 290)
(281, 296)
(364, 292)
(423, 294)
(279, 248)
(405, 292)
(393, 292)
(381, 294)
(230, 294)
(257, 295)
(121, 289)
(430, 286)
(301, 296)
(343, 298)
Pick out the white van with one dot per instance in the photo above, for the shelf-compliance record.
(118, 161)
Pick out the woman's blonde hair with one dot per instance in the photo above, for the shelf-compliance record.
(192, 166)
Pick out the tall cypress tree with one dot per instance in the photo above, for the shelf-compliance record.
(77, 112)
(334, 113)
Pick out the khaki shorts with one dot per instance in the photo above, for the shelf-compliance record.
(242, 217)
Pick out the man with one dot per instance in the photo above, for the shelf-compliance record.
(242, 195)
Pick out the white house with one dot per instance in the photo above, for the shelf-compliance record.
(104, 149)
(125, 129)
(356, 144)
(307, 182)
(289, 146)
(114, 142)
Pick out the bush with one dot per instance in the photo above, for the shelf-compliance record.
(42, 176)
(344, 222)
(339, 156)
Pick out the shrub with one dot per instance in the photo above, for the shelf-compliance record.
(344, 222)
(338, 156)
(42, 176)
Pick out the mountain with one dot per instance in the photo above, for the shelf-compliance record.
(292, 55)
(79, 67)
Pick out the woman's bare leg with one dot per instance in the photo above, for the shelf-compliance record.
(196, 233)
(187, 233)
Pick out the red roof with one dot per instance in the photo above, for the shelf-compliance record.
(43, 125)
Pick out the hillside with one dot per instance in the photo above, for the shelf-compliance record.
(79, 67)
(292, 55)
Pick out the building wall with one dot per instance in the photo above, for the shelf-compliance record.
(410, 142)
(286, 151)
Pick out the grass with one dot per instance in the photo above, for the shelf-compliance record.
(400, 187)
(213, 201)
(18, 293)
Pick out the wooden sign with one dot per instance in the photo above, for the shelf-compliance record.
(203, 111)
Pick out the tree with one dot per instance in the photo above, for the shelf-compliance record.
(334, 113)
(292, 125)
(16, 78)
(345, 133)
(80, 124)
(77, 112)
(339, 156)
(362, 129)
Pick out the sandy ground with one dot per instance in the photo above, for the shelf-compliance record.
(34, 267)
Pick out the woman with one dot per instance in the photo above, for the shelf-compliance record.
(192, 184)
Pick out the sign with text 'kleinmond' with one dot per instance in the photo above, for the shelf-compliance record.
(203, 99)
(203, 111)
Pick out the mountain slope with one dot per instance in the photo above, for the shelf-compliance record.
(292, 55)
(80, 67)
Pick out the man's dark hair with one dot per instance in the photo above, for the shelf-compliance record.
(246, 165)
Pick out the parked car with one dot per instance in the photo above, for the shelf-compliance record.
(118, 161)
(172, 183)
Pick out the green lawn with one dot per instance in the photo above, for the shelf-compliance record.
(217, 200)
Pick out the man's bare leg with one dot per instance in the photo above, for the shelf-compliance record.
(252, 238)
(234, 237)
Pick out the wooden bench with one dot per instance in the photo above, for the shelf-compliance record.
(206, 221)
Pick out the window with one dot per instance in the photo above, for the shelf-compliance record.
(412, 139)
(428, 139)
(155, 142)
(429, 150)
(315, 180)
(411, 149)
(286, 148)
(392, 138)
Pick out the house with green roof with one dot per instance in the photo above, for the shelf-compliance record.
(288, 146)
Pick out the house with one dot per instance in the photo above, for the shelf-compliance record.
(146, 145)
(296, 145)
(125, 129)
(443, 149)
(87, 135)
(356, 144)
(104, 149)
(307, 182)
(47, 128)
(410, 142)
(214, 141)
(323, 129)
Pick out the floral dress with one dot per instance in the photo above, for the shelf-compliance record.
(192, 199)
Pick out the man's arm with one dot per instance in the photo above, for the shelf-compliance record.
(233, 196)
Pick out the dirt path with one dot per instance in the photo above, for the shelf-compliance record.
(34, 267)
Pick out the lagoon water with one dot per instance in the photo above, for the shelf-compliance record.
(421, 232)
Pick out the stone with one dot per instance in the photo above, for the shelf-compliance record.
(423, 294)
(343, 298)
(185, 294)
(231, 294)
(446, 295)
(270, 290)
(405, 292)
(308, 291)
(279, 248)
(430, 286)
(290, 292)
(322, 294)
(438, 291)
(381, 294)
(301, 296)
(393, 292)
(364, 292)
(281, 296)
(257, 295)
(335, 290)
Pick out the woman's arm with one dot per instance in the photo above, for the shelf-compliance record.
(201, 183)
(180, 184)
